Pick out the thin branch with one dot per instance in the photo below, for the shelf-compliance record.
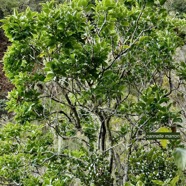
(11, 183)
(171, 89)
(170, 84)
(73, 108)
(62, 112)
(137, 21)
(104, 22)
(114, 146)
(56, 128)
(63, 155)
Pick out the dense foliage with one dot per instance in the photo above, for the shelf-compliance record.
(91, 78)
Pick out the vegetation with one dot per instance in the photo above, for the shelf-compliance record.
(90, 80)
(7, 7)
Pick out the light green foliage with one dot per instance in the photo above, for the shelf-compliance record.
(22, 150)
(155, 108)
(168, 182)
(180, 158)
(78, 68)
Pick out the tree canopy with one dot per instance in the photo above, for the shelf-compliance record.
(91, 79)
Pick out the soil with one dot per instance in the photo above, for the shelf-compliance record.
(5, 85)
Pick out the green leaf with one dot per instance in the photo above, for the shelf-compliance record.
(83, 3)
(108, 3)
(174, 181)
(49, 77)
(158, 182)
(180, 158)
(140, 183)
(128, 184)
(162, 2)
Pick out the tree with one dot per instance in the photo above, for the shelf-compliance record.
(90, 79)
(7, 7)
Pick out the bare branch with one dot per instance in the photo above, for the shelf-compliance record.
(73, 108)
